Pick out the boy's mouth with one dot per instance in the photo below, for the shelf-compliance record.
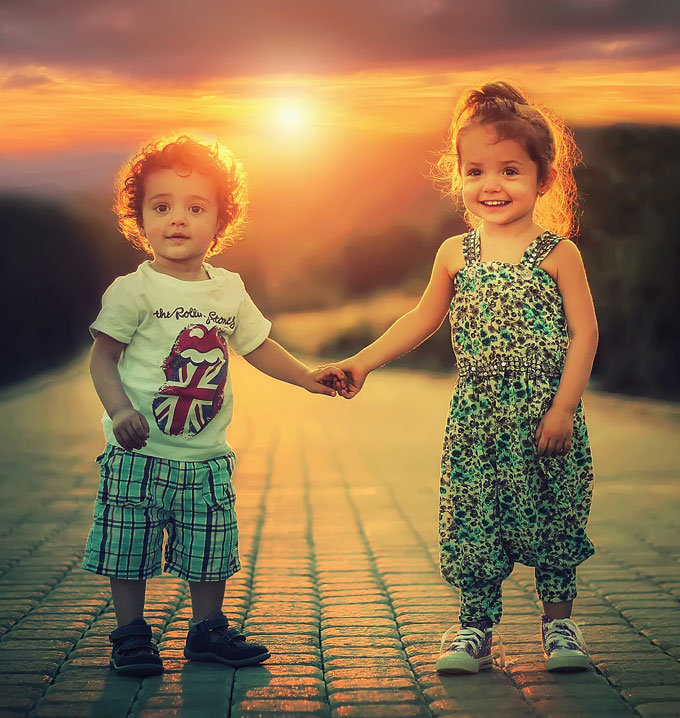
(178, 235)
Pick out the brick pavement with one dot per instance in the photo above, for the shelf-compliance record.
(337, 515)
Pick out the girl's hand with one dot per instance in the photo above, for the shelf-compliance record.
(325, 380)
(553, 436)
(355, 376)
(130, 428)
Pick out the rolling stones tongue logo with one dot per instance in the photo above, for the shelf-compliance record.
(196, 372)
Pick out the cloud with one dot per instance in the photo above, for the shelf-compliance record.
(21, 80)
(176, 40)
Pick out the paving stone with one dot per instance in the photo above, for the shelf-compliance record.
(282, 708)
(649, 694)
(659, 710)
(380, 711)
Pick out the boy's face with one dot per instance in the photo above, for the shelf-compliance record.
(179, 216)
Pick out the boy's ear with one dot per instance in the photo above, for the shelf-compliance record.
(140, 227)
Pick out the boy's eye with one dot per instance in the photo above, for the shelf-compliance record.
(196, 209)
(161, 208)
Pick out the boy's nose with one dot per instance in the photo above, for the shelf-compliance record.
(178, 217)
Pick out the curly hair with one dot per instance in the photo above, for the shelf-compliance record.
(543, 135)
(184, 154)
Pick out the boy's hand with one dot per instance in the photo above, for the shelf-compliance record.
(355, 374)
(130, 429)
(553, 436)
(325, 380)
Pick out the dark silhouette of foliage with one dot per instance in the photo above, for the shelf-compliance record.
(56, 265)
(629, 240)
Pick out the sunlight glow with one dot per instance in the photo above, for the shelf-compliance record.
(290, 117)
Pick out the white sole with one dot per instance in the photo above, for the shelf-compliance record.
(462, 663)
(568, 661)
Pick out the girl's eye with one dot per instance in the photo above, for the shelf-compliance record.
(511, 171)
(196, 209)
(474, 173)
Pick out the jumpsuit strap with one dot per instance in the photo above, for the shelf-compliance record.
(471, 247)
(540, 248)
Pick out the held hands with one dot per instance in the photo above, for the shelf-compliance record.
(353, 377)
(327, 380)
(130, 428)
(553, 436)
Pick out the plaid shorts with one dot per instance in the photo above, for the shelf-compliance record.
(140, 497)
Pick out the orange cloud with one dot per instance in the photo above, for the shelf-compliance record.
(46, 111)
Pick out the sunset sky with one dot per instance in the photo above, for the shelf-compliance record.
(308, 89)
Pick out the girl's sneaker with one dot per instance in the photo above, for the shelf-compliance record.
(470, 650)
(564, 647)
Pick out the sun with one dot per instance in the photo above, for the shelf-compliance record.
(290, 116)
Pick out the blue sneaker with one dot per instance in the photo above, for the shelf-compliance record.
(230, 647)
(470, 650)
(564, 647)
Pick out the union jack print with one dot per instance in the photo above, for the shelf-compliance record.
(196, 372)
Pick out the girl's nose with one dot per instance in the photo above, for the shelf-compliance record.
(491, 184)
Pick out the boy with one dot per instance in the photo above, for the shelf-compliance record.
(159, 364)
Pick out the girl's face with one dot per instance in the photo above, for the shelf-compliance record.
(179, 216)
(500, 180)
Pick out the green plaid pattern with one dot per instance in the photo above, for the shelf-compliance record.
(140, 497)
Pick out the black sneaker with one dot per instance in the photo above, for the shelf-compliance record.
(470, 650)
(230, 648)
(564, 647)
(133, 652)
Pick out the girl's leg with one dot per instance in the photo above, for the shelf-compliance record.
(128, 599)
(557, 610)
(481, 603)
(206, 598)
(557, 590)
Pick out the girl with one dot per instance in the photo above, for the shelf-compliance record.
(516, 466)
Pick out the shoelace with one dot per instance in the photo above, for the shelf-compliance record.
(468, 634)
(564, 633)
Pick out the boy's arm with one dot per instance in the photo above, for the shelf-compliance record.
(129, 426)
(272, 359)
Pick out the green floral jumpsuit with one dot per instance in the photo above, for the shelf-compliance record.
(499, 501)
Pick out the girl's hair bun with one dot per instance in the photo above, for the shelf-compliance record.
(493, 98)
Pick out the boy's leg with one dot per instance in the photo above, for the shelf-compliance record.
(206, 598)
(128, 599)
(210, 637)
(133, 651)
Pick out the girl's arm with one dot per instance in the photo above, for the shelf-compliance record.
(553, 436)
(129, 426)
(272, 359)
(412, 328)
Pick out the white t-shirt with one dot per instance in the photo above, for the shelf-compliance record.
(174, 368)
